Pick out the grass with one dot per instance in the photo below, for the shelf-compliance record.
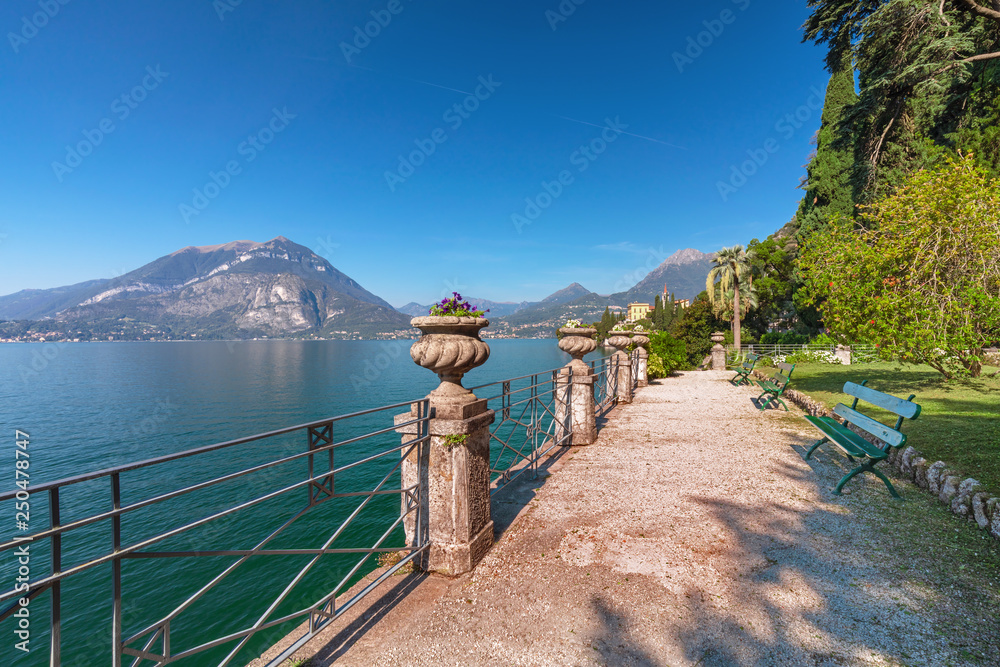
(959, 422)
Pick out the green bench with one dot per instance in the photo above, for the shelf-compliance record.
(745, 369)
(776, 386)
(853, 444)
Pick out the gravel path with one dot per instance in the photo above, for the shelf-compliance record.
(694, 533)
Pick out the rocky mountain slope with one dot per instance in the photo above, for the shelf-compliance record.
(274, 288)
(683, 273)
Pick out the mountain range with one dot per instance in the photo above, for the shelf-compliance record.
(239, 289)
(278, 288)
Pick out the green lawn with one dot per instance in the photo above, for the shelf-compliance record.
(959, 423)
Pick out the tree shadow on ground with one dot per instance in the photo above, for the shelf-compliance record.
(814, 582)
(613, 643)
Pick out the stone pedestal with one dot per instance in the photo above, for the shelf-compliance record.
(642, 369)
(579, 417)
(453, 468)
(575, 384)
(454, 508)
(624, 377)
(718, 352)
(623, 363)
(641, 359)
(844, 354)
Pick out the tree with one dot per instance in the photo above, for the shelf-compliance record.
(695, 327)
(724, 311)
(773, 279)
(828, 174)
(732, 270)
(920, 275)
(928, 83)
(657, 315)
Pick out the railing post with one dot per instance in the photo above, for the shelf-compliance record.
(642, 359)
(576, 384)
(456, 467)
(620, 340)
(843, 352)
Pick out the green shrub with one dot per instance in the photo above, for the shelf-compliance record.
(918, 274)
(671, 351)
(656, 368)
(823, 339)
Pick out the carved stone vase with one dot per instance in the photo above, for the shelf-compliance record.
(450, 346)
(578, 342)
(620, 340)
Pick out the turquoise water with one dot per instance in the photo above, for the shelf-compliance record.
(90, 406)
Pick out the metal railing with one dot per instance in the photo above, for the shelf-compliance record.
(860, 354)
(120, 525)
(235, 518)
(526, 427)
(605, 372)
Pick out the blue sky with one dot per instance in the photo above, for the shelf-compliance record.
(582, 147)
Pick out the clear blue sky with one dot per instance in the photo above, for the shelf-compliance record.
(183, 85)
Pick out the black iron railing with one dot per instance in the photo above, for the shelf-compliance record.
(605, 383)
(121, 522)
(528, 423)
(233, 511)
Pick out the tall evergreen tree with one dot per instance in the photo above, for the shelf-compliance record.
(828, 181)
(929, 74)
(657, 315)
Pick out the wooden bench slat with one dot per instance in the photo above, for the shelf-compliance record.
(885, 433)
(846, 439)
(907, 409)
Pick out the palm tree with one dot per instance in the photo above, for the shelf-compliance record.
(732, 269)
(723, 309)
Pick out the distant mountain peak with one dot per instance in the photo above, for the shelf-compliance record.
(234, 246)
(687, 256)
(567, 294)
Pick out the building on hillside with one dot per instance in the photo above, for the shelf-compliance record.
(683, 303)
(637, 311)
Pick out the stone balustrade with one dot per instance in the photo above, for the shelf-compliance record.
(455, 512)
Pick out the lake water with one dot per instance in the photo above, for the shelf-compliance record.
(89, 406)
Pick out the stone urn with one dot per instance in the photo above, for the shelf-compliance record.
(577, 342)
(450, 346)
(718, 337)
(640, 339)
(619, 340)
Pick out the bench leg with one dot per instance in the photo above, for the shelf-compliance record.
(867, 467)
(782, 403)
(892, 489)
(813, 448)
(764, 404)
(847, 478)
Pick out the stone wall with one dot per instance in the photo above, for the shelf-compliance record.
(965, 497)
